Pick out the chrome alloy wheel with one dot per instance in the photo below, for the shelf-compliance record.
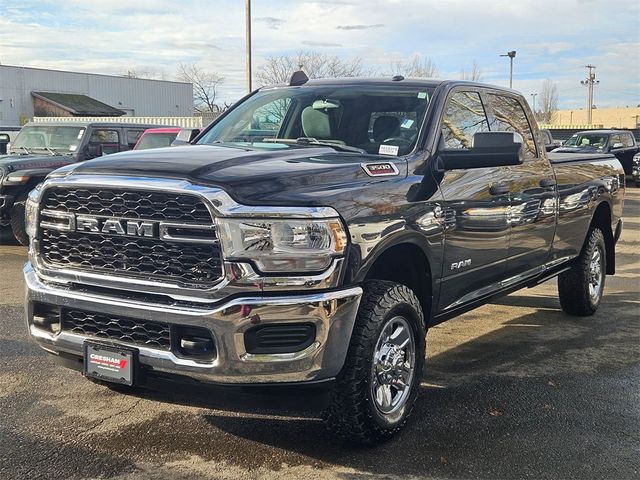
(394, 361)
(595, 274)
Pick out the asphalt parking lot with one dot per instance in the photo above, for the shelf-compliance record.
(515, 389)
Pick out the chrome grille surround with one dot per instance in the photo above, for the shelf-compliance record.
(237, 277)
(70, 237)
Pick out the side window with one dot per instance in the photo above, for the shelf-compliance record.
(133, 136)
(464, 117)
(109, 140)
(269, 117)
(510, 117)
(627, 139)
(613, 139)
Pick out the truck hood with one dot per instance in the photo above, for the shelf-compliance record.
(598, 151)
(300, 175)
(12, 163)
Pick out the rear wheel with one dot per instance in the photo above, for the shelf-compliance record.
(581, 287)
(17, 221)
(378, 385)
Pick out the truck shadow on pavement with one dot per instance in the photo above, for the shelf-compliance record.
(529, 391)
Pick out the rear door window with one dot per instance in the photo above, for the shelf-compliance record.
(509, 116)
(627, 140)
(133, 135)
(108, 139)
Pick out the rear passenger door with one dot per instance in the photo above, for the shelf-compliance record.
(475, 209)
(532, 190)
(103, 141)
(132, 135)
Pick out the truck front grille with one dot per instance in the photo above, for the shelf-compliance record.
(123, 329)
(191, 264)
(128, 204)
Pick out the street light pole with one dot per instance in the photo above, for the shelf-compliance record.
(248, 53)
(590, 82)
(511, 55)
(534, 95)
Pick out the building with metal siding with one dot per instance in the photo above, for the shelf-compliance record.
(137, 97)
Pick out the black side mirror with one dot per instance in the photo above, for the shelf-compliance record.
(94, 150)
(185, 136)
(490, 149)
(4, 143)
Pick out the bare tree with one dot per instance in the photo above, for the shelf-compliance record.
(278, 69)
(416, 67)
(548, 105)
(205, 86)
(146, 73)
(474, 74)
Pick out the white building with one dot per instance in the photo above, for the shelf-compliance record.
(133, 96)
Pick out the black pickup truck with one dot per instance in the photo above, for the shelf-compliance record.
(620, 143)
(319, 252)
(42, 147)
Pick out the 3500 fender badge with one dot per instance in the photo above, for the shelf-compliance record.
(380, 169)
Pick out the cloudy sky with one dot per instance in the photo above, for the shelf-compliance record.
(553, 38)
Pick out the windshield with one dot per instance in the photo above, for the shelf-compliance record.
(51, 139)
(371, 119)
(588, 140)
(155, 140)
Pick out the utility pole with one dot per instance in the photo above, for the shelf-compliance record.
(534, 95)
(511, 55)
(248, 35)
(590, 82)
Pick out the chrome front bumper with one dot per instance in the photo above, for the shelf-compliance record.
(333, 314)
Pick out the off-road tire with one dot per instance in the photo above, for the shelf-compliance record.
(352, 413)
(16, 216)
(573, 285)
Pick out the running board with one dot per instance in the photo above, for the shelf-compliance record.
(549, 276)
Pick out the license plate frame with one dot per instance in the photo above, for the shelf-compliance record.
(105, 362)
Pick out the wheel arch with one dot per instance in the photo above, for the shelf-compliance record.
(405, 260)
(601, 219)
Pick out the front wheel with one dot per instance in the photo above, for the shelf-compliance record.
(378, 385)
(581, 287)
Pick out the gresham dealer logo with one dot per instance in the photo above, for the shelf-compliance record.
(108, 362)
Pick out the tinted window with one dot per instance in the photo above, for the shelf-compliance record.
(464, 117)
(133, 136)
(627, 139)
(340, 115)
(155, 140)
(614, 139)
(109, 139)
(510, 117)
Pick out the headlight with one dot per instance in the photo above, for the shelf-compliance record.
(283, 245)
(31, 211)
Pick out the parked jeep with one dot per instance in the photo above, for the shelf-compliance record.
(7, 135)
(40, 148)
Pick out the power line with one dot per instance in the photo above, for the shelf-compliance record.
(590, 82)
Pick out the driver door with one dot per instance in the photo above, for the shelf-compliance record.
(476, 205)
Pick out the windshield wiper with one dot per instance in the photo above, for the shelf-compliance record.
(26, 150)
(314, 141)
(52, 152)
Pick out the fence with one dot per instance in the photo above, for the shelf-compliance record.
(183, 122)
